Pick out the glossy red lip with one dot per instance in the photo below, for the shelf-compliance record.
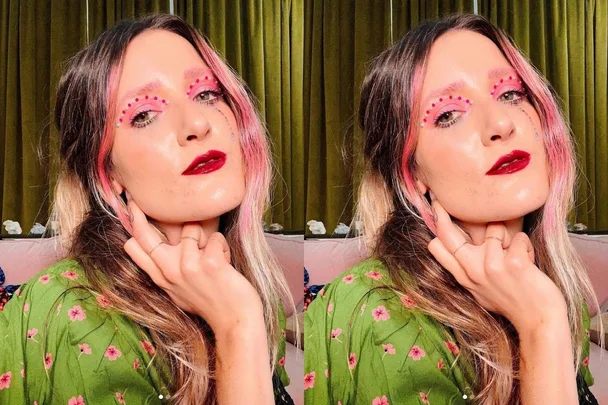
(510, 163)
(209, 162)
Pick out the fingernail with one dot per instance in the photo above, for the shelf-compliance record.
(130, 214)
(434, 214)
(128, 195)
(432, 196)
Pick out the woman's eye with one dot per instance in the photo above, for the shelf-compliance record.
(143, 119)
(512, 96)
(207, 97)
(447, 118)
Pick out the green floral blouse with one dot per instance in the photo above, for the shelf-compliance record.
(61, 344)
(366, 345)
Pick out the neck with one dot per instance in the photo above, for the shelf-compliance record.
(173, 232)
(477, 231)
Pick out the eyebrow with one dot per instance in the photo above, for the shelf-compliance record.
(189, 74)
(494, 74)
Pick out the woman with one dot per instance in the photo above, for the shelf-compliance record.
(474, 293)
(170, 293)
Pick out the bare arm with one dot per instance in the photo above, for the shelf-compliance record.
(243, 367)
(547, 365)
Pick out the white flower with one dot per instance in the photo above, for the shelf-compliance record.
(341, 229)
(12, 227)
(316, 227)
(37, 229)
(580, 227)
(276, 227)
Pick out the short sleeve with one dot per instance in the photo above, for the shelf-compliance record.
(367, 344)
(64, 345)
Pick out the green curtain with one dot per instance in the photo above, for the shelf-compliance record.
(263, 42)
(32, 51)
(568, 42)
(341, 37)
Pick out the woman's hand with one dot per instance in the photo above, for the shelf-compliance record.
(500, 273)
(197, 275)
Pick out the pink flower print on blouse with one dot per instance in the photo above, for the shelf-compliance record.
(112, 353)
(335, 333)
(76, 313)
(26, 307)
(407, 301)
(70, 274)
(31, 333)
(440, 364)
(76, 401)
(352, 361)
(84, 349)
(148, 347)
(416, 353)
(44, 279)
(48, 361)
(283, 332)
(309, 380)
(5, 380)
(59, 308)
(587, 332)
(120, 398)
(424, 398)
(380, 401)
(388, 349)
(18, 292)
(282, 361)
(327, 373)
(103, 301)
(136, 364)
(363, 308)
(586, 361)
(330, 307)
(348, 279)
(380, 313)
(452, 347)
(22, 373)
(374, 274)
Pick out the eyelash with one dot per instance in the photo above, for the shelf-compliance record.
(438, 124)
(135, 124)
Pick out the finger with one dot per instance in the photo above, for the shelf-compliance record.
(493, 243)
(451, 237)
(217, 248)
(447, 260)
(521, 248)
(148, 237)
(145, 262)
(190, 253)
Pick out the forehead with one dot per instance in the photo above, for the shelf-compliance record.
(461, 55)
(157, 55)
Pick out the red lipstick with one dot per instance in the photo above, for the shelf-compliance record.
(510, 163)
(209, 162)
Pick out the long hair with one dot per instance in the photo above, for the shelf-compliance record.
(398, 220)
(93, 219)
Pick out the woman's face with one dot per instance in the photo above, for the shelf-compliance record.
(176, 148)
(474, 113)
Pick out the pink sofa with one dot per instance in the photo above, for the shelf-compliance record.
(325, 259)
(23, 258)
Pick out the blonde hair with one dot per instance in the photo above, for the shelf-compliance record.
(93, 223)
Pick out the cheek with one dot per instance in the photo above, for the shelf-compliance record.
(448, 162)
(141, 162)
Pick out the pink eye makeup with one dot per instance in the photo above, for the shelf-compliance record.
(444, 106)
(138, 111)
(206, 82)
(511, 82)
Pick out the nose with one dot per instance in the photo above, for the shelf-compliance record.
(195, 123)
(500, 125)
